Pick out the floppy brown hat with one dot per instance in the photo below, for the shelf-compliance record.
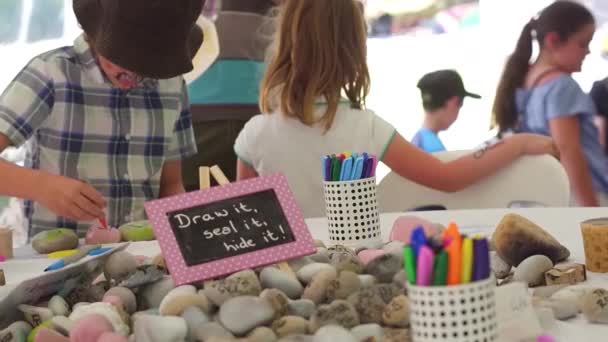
(154, 38)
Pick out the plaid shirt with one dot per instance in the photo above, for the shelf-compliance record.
(76, 124)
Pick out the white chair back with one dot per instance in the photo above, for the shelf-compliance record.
(529, 181)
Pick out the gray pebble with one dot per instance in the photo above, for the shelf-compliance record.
(152, 294)
(333, 333)
(322, 255)
(290, 325)
(271, 277)
(346, 261)
(394, 248)
(194, 317)
(397, 312)
(387, 291)
(278, 300)
(367, 280)
(365, 332)
(297, 264)
(562, 310)
(400, 279)
(317, 289)
(261, 334)
(384, 267)
(396, 335)
(242, 314)
(301, 307)
(595, 306)
(346, 284)
(16, 332)
(160, 328)
(59, 306)
(205, 331)
(143, 275)
(306, 273)
(119, 266)
(35, 315)
(369, 305)
(126, 296)
(62, 324)
(297, 338)
(243, 283)
(532, 270)
(500, 267)
(339, 312)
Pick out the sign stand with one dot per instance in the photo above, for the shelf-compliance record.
(204, 180)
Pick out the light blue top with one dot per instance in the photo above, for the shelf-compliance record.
(563, 97)
(428, 141)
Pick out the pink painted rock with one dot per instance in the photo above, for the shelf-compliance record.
(404, 225)
(90, 328)
(111, 337)
(98, 234)
(368, 255)
(48, 335)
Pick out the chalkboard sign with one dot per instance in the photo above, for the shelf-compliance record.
(224, 229)
(230, 227)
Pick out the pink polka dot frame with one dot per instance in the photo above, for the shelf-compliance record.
(181, 273)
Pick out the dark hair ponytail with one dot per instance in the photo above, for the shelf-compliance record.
(504, 109)
(562, 17)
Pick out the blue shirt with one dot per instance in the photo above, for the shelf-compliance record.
(563, 97)
(428, 141)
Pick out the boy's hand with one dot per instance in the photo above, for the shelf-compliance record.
(70, 198)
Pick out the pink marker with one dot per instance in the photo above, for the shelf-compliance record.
(2, 258)
(103, 223)
(424, 268)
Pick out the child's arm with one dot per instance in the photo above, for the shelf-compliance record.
(171, 179)
(566, 132)
(243, 171)
(64, 196)
(418, 166)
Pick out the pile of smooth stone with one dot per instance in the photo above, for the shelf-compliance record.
(331, 296)
(337, 294)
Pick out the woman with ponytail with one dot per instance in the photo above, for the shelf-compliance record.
(542, 97)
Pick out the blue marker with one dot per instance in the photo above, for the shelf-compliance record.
(82, 252)
(417, 240)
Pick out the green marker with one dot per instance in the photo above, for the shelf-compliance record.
(409, 262)
(440, 270)
(335, 168)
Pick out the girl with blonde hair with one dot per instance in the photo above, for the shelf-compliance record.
(313, 96)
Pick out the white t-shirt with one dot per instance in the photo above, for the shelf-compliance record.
(271, 143)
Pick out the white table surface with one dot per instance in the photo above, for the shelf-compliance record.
(562, 223)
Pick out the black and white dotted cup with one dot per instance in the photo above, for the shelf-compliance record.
(352, 212)
(458, 313)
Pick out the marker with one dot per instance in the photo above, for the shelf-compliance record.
(82, 252)
(335, 168)
(440, 271)
(424, 267)
(417, 240)
(409, 262)
(454, 255)
(481, 256)
(467, 261)
(61, 254)
(103, 223)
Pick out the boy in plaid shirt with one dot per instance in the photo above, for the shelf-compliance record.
(106, 121)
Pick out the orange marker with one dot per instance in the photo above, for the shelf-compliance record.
(454, 254)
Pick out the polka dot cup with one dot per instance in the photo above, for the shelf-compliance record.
(459, 313)
(352, 212)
